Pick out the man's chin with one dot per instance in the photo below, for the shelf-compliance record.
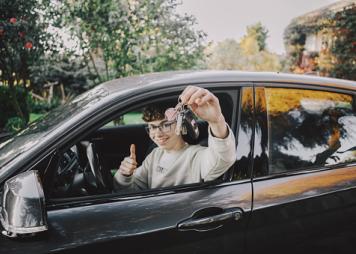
(165, 145)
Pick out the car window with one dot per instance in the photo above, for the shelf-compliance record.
(309, 128)
(88, 167)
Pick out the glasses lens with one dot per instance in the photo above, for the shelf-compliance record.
(164, 127)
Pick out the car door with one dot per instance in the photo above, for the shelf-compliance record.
(198, 218)
(304, 171)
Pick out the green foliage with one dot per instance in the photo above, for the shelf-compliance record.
(260, 33)
(294, 40)
(123, 37)
(246, 55)
(24, 38)
(7, 107)
(344, 46)
(14, 124)
(41, 107)
(62, 69)
(336, 59)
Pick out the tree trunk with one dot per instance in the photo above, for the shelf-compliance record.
(14, 100)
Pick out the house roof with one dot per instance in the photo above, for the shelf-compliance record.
(312, 17)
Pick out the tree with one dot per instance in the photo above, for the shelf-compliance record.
(246, 55)
(64, 70)
(225, 55)
(123, 37)
(343, 49)
(259, 33)
(23, 40)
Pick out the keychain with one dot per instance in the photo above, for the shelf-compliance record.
(180, 117)
(177, 113)
(185, 120)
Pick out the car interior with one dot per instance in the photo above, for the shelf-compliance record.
(87, 167)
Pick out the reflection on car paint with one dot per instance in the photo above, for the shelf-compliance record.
(288, 189)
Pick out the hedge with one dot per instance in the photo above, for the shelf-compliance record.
(7, 109)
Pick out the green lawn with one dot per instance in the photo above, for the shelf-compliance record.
(133, 118)
(34, 117)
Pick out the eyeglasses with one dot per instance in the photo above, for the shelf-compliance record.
(164, 127)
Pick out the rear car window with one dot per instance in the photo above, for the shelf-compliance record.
(309, 128)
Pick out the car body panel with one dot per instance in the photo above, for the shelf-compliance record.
(117, 220)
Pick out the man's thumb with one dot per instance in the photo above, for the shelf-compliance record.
(133, 151)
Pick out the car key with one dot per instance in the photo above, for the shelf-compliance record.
(179, 123)
(180, 116)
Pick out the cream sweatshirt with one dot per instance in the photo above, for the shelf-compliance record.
(191, 164)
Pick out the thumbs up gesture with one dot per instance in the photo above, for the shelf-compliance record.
(129, 164)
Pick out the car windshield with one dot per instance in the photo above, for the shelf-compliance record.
(36, 131)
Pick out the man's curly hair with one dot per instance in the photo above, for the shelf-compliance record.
(154, 112)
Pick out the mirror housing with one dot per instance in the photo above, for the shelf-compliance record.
(23, 205)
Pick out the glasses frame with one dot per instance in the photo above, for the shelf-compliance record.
(160, 127)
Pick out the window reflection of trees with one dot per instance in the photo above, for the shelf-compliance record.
(309, 128)
(244, 135)
(261, 137)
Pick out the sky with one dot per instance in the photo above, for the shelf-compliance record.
(228, 19)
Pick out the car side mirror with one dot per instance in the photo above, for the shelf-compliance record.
(23, 205)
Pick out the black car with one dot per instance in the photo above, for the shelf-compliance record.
(291, 190)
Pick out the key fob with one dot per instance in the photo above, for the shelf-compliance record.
(189, 124)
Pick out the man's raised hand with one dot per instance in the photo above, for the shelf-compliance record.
(129, 164)
(206, 106)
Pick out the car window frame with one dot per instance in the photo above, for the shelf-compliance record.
(216, 87)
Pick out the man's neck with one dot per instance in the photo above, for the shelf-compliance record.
(178, 146)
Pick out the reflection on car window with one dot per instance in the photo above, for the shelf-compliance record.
(244, 135)
(309, 128)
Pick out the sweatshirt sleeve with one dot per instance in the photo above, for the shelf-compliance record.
(217, 158)
(137, 181)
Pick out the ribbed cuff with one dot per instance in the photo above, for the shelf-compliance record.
(123, 180)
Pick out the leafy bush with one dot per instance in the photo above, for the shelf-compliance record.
(15, 124)
(7, 106)
(41, 107)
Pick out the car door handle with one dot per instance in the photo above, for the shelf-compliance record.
(210, 222)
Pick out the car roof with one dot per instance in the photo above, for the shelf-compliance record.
(165, 79)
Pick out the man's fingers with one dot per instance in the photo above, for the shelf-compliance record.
(197, 95)
(133, 151)
(187, 93)
(128, 166)
(125, 171)
(208, 98)
(129, 161)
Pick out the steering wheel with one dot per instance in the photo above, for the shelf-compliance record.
(65, 178)
(94, 174)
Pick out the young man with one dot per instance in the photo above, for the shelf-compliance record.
(175, 162)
